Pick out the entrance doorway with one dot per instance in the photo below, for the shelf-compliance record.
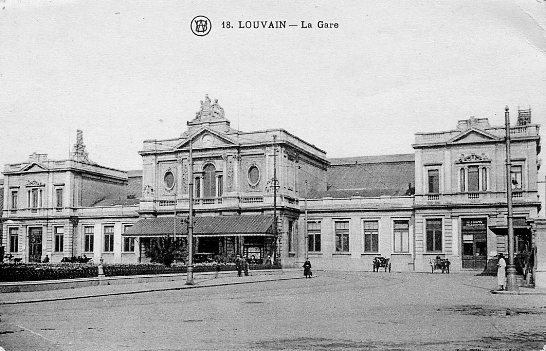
(35, 245)
(474, 235)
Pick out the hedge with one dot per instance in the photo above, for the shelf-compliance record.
(52, 271)
(46, 271)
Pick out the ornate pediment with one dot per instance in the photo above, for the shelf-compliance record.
(473, 158)
(205, 138)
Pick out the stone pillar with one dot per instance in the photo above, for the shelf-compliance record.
(540, 259)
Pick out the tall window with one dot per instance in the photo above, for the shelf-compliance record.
(342, 236)
(473, 179)
(401, 236)
(371, 236)
(434, 235)
(89, 239)
(313, 236)
(515, 177)
(434, 181)
(14, 200)
(59, 239)
(13, 240)
(220, 185)
(462, 179)
(128, 242)
(197, 187)
(484, 179)
(59, 197)
(290, 236)
(34, 198)
(209, 181)
(108, 238)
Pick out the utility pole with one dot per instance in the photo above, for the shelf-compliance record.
(511, 282)
(305, 231)
(189, 272)
(275, 197)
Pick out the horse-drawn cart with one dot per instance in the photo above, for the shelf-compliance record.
(439, 263)
(381, 262)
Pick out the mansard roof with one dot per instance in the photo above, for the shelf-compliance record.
(370, 176)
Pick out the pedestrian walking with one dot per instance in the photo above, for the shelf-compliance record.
(245, 265)
(307, 269)
(501, 272)
(216, 269)
(239, 265)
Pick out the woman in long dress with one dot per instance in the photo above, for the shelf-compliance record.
(501, 272)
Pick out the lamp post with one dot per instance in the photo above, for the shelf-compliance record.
(189, 273)
(275, 198)
(511, 282)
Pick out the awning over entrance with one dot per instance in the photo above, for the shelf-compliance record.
(210, 226)
(518, 229)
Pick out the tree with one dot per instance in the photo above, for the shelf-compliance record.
(166, 250)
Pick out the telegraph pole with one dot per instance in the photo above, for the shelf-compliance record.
(305, 231)
(275, 196)
(511, 282)
(189, 273)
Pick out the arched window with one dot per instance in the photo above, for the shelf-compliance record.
(209, 181)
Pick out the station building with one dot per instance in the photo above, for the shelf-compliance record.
(446, 199)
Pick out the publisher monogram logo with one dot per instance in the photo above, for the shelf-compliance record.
(200, 26)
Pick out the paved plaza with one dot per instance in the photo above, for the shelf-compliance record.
(279, 311)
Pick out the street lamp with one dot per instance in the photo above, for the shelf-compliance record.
(189, 272)
(511, 282)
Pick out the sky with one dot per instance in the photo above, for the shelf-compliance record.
(126, 71)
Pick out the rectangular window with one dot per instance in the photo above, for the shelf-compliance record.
(14, 200)
(128, 242)
(34, 197)
(473, 179)
(59, 239)
(462, 179)
(290, 236)
(197, 187)
(484, 179)
(108, 238)
(89, 237)
(59, 197)
(13, 240)
(342, 236)
(434, 235)
(516, 177)
(401, 236)
(220, 185)
(371, 236)
(434, 181)
(313, 236)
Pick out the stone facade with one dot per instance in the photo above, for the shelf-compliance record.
(47, 203)
(446, 199)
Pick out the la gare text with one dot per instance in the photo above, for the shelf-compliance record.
(279, 25)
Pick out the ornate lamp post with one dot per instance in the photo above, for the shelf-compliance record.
(511, 282)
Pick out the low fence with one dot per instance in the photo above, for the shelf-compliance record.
(54, 271)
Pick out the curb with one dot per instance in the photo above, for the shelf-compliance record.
(142, 291)
(520, 292)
